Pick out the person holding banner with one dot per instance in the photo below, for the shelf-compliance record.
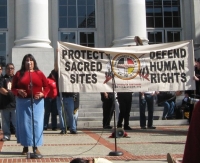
(138, 41)
(107, 99)
(125, 101)
(65, 110)
(68, 103)
(59, 106)
(146, 98)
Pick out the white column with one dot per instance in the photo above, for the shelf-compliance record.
(129, 21)
(196, 24)
(31, 20)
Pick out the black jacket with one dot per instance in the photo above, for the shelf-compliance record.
(7, 101)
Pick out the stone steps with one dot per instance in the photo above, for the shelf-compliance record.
(90, 124)
(90, 112)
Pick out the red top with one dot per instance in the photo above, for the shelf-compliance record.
(39, 81)
(192, 145)
(52, 88)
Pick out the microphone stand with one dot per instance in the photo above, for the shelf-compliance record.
(33, 155)
(114, 153)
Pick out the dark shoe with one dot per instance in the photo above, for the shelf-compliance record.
(170, 118)
(54, 129)
(73, 132)
(127, 128)
(164, 118)
(36, 151)
(45, 128)
(5, 139)
(143, 127)
(107, 127)
(151, 127)
(25, 151)
(119, 126)
(63, 132)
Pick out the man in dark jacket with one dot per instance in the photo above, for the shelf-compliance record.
(8, 103)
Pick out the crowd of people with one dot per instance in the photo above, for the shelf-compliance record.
(31, 97)
(28, 98)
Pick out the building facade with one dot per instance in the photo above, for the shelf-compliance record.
(35, 26)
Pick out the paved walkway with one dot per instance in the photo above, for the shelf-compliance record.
(142, 146)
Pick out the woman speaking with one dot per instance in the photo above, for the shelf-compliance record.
(30, 87)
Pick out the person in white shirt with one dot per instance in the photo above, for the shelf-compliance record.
(146, 98)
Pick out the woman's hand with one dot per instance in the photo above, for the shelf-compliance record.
(22, 93)
(38, 95)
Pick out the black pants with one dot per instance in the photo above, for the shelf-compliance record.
(125, 102)
(107, 111)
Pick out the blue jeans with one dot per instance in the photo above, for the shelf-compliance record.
(7, 116)
(50, 107)
(168, 109)
(149, 101)
(68, 103)
(60, 113)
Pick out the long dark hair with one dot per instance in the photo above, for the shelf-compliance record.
(23, 66)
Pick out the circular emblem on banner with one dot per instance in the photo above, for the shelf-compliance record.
(126, 66)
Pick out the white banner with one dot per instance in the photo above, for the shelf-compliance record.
(159, 67)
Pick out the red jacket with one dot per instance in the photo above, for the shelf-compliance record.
(52, 88)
